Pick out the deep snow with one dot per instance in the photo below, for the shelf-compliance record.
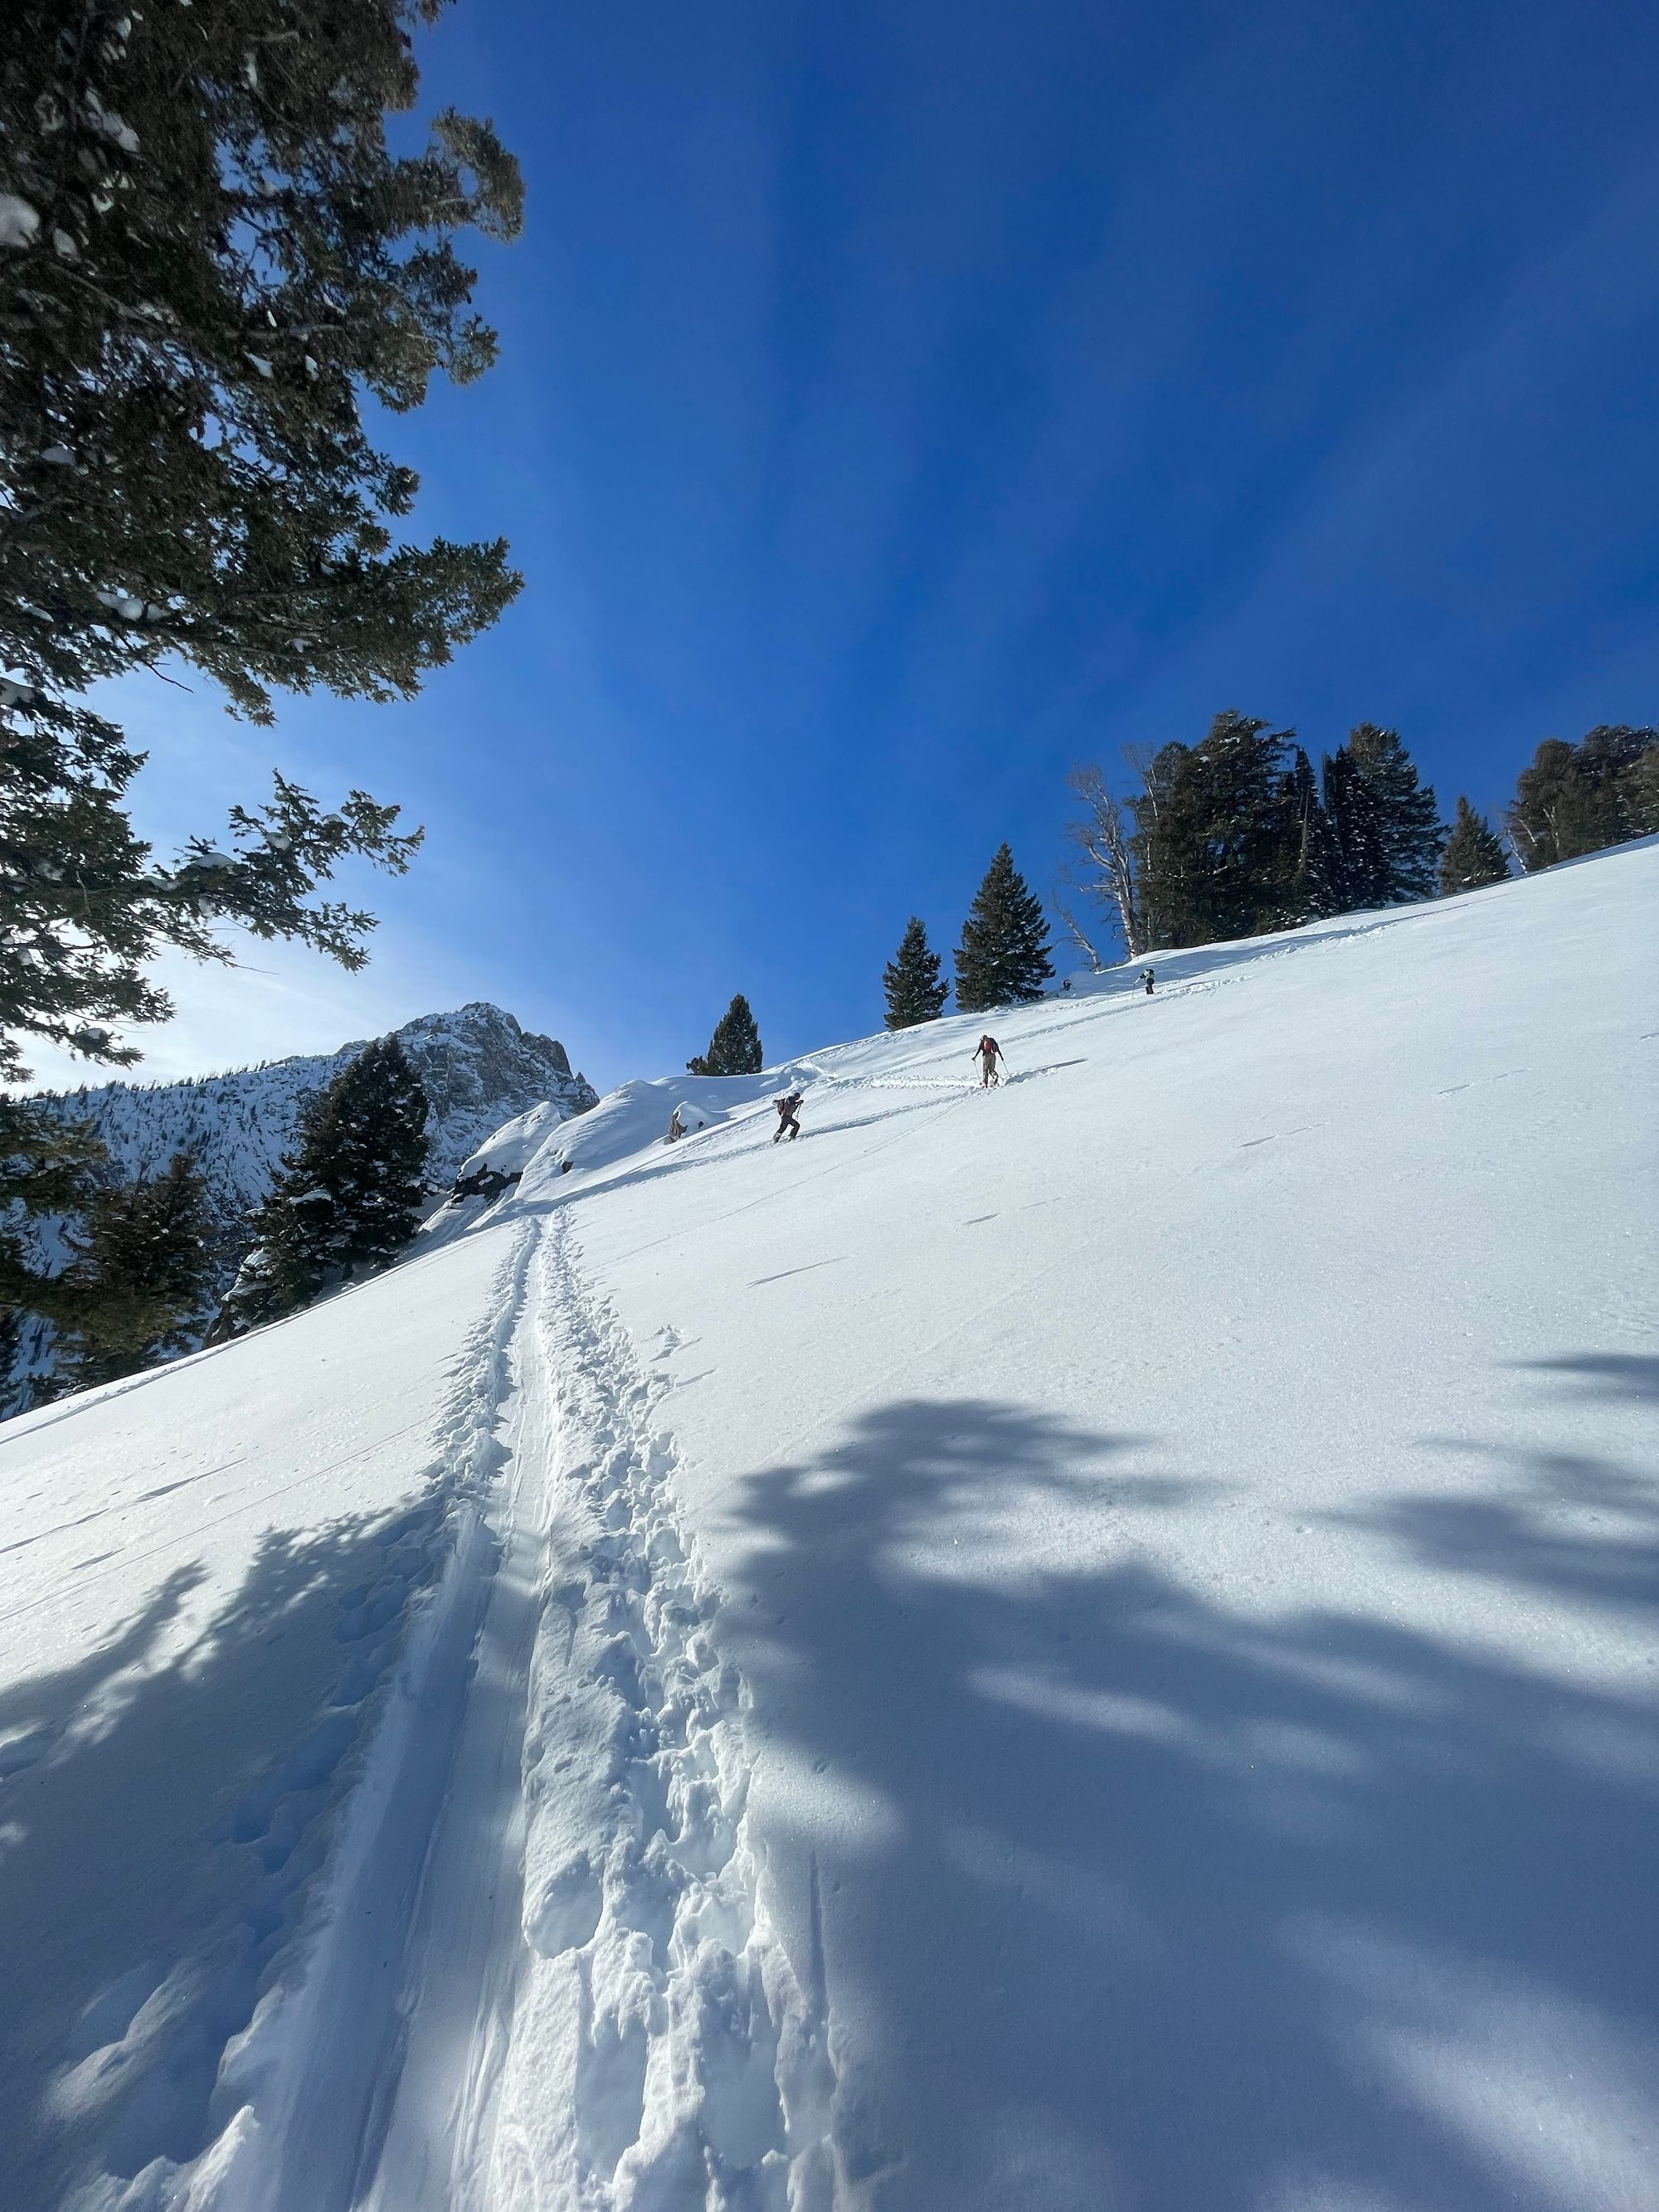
(1086, 1647)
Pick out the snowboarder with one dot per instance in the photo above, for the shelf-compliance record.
(988, 1052)
(1147, 980)
(788, 1106)
(675, 1127)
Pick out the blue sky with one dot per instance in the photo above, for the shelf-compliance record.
(899, 402)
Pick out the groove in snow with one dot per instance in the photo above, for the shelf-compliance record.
(543, 1979)
(662, 2053)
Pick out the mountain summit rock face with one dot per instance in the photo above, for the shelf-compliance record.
(478, 1067)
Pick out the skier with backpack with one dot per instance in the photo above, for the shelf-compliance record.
(988, 1052)
(788, 1106)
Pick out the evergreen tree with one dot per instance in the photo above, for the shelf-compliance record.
(1580, 799)
(1542, 793)
(735, 1046)
(1474, 853)
(1314, 872)
(1212, 828)
(1641, 787)
(212, 267)
(915, 989)
(347, 1200)
(1162, 849)
(1003, 958)
(1409, 830)
(47, 1165)
(145, 1267)
(1353, 808)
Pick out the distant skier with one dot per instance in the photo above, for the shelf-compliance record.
(675, 1127)
(788, 1106)
(987, 1052)
(1147, 980)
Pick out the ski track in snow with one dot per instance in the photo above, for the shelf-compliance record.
(543, 1977)
(662, 2053)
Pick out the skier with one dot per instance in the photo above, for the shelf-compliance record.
(675, 1127)
(988, 1052)
(1147, 980)
(788, 1106)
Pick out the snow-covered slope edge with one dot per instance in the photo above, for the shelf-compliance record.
(1084, 1647)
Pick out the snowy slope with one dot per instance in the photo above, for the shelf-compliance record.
(1086, 1647)
(479, 1068)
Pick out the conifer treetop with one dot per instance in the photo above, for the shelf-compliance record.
(735, 1046)
(1474, 853)
(912, 980)
(1405, 819)
(1574, 799)
(348, 1196)
(1003, 958)
(1211, 834)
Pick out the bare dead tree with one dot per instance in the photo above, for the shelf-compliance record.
(1102, 837)
(1063, 898)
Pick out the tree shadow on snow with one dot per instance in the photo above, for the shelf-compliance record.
(1254, 1911)
(166, 1802)
(1580, 1527)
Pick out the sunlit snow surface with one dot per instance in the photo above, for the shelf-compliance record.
(1088, 1647)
